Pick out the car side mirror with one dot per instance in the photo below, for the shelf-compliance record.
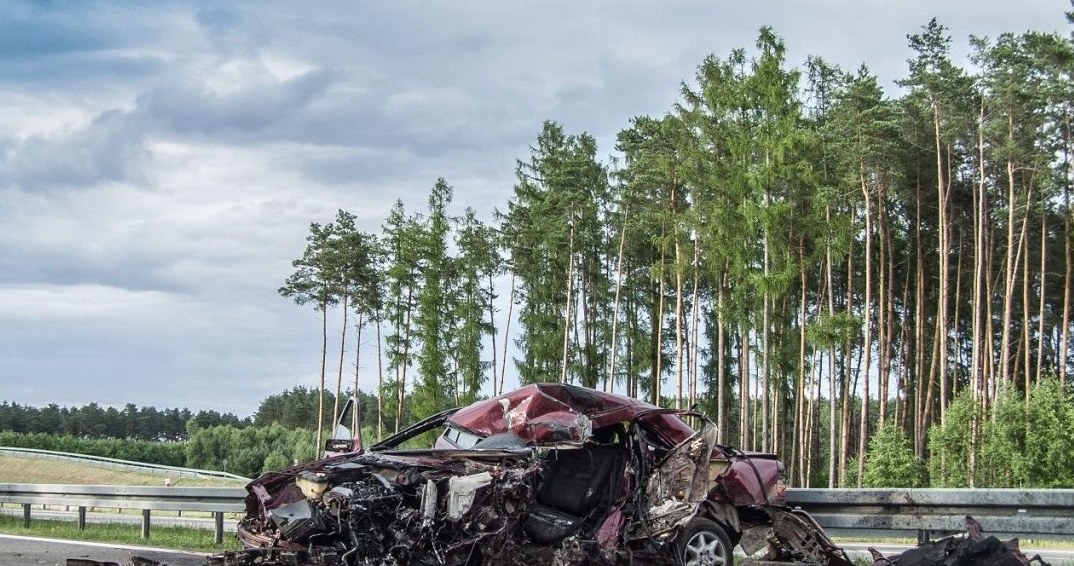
(338, 445)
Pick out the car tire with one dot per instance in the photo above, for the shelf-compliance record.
(704, 543)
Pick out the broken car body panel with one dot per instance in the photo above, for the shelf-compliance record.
(550, 412)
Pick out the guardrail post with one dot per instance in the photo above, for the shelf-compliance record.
(26, 515)
(81, 518)
(924, 536)
(145, 523)
(218, 518)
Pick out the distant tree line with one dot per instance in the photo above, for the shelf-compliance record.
(297, 408)
(134, 450)
(809, 258)
(97, 422)
(281, 431)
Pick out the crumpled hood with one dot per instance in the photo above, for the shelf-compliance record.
(553, 412)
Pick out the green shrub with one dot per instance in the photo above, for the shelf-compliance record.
(890, 461)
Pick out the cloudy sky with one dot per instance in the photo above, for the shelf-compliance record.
(160, 162)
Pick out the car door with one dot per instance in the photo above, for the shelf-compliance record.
(679, 480)
(347, 435)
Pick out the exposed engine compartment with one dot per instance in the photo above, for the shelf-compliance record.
(380, 513)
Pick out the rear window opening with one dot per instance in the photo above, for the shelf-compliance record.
(460, 438)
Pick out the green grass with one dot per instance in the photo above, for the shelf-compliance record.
(16, 469)
(179, 538)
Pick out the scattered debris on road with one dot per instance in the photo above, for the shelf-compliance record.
(972, 548)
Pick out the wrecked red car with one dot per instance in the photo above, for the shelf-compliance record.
(547, 474)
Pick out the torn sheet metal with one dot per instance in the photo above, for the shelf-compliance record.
(461, 493)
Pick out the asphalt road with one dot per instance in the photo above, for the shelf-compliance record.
(26, 551)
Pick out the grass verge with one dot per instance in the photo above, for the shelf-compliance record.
(17, 469)
(178, 538)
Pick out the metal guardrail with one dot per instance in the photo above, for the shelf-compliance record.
(215, 500)
(117, 464)
(1035, 513)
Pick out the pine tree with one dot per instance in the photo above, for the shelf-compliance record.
(401, 241)
(552, 227)
(315, 281)
(478, 265)
(435, 389)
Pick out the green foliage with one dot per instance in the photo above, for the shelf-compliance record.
(818, 231)
(435, 388)
(1003, 450)
(1022, 442)
(553, 230)
(297, 408)
(477, 266)
(950, 444)
(150, 452)
(834, 330)
(401, 242)
(249, 451)
(1049, 446)
(316, 274)
(283, 431)
(850, 479)
(890, 461)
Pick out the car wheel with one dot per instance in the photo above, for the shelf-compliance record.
(704, 543)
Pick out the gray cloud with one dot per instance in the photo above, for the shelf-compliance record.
(160, 162)
(255, 104)
(110, 148)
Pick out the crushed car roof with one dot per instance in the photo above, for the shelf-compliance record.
(553, 412)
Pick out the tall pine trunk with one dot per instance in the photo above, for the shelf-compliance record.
(835, 459)
(944, 249)
(980, 206)
(922, 392)
(402, 371)
(743, 386)
(614, 346)
(721, 366)
(1041, 292)
(567, 314)
(342, 352)
(356, 419)
(492, 332)
(695, 323)
(320, 391)
(507, 332)
(867, 327)
(678, 318)
(1009, 270)
(799, 452)
(1068, 246)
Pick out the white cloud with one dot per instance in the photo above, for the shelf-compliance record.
(77, 303)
